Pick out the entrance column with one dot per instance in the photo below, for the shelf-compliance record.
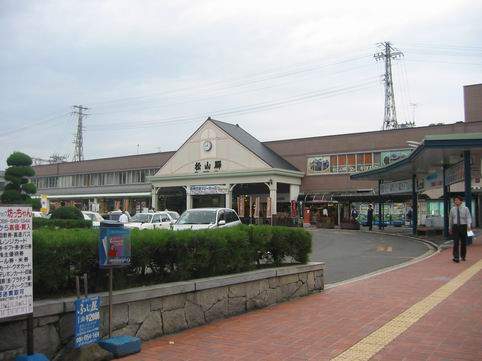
(294, 192)
(414, 205)
(154, 198)
(468, 186)
(446, 202)
(229, 196)
(380, 205)
(188, 197)
(273, 196)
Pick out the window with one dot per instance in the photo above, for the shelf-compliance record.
(156, 218)
(353, 162)
(231, 217)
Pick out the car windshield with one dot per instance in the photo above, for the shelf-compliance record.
(142, 217)
(197, 217)
(174, 215)
(91, 216)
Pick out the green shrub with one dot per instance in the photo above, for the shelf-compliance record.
(161, 255)
(69, 212)
(60, 223)
(19, 159)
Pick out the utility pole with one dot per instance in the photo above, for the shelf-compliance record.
(387, 54)
(79, 140)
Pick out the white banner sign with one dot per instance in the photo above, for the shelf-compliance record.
(397, 187)
(209, 189)
(16, 272)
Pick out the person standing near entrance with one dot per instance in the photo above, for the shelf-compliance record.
(370, 217)
(460, 222)
(123, 217)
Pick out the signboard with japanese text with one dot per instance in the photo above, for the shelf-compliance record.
(404, 186)
(114, 247)
(16, 271)
(87, 321)
(208, 189)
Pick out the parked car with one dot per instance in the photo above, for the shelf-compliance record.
(114, 215)
(204, 218)
(95, 217)
(37, 214)
(156, 220)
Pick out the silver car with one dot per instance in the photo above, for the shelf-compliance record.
(206, 218)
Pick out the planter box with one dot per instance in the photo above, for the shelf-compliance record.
(148, 312)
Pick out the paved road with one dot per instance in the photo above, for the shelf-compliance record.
(349, 254)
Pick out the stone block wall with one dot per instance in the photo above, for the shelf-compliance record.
(149, 312)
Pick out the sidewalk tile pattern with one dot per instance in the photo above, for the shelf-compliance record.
(323, 326)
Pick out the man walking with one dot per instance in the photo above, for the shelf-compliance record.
(460, 222)
(370, 217)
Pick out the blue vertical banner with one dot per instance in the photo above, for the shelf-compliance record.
(87, 321)
(114, 247)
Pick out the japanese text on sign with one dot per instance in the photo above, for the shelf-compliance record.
(87, 321)
(16, 291)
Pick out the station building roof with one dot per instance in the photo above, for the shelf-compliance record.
(433, 152)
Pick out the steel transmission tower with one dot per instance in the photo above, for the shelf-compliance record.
(79, 140)
(387, 54)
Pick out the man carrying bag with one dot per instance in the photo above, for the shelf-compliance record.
(460, 222)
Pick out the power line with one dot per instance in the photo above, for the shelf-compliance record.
(36, 124)
(252, 108)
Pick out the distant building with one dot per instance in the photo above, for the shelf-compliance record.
(221, 164)
(473, 102)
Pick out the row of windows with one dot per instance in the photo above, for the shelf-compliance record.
(354, 162)
(95, 179)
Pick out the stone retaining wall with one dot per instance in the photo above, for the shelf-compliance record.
(149, 312)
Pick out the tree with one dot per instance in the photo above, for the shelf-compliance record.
(19, 188)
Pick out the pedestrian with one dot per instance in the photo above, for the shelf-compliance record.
(354, 213)
(123, 217)
(460, 222)
(409, 215)
(370, 217)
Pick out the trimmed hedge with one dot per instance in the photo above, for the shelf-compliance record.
(160, 256)
(69, 212)
(38, 222)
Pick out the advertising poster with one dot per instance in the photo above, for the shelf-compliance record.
(114, 247)
(393, 156)
(294, 209)
(87, 321)
(44, 201)
(16, 271)
(319, 164)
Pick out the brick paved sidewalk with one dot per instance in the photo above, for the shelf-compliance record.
(322, 326)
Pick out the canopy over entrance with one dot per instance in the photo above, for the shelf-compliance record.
(455, 156)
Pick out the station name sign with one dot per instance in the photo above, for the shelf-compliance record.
(208, 166)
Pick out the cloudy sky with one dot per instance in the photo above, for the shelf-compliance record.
(151, 72)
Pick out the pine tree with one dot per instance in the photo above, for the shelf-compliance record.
(19, 188)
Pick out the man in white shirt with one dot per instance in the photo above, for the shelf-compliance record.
(460, 222)
(123, 217)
